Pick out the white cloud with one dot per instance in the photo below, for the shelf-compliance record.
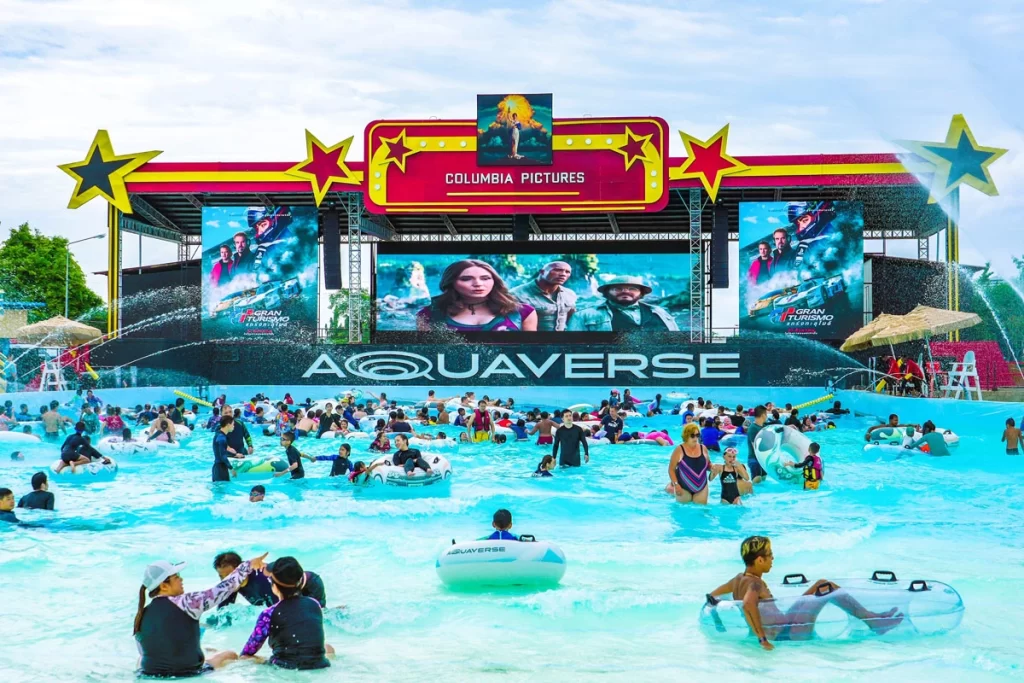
(213, 223)
(750, 219)
(234, 224)
(773, 219)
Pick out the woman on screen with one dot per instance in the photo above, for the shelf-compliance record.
(516, 128)
(474, 298)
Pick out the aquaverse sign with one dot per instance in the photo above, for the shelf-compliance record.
(735, 364)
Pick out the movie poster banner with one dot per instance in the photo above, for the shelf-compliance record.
(559, 291)
(260, 272)
(802, 268)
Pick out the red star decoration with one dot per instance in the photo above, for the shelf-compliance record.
(708, 161)
(398, 151)
(324, 166)
(633, 149)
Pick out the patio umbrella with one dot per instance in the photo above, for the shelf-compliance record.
(862, 338)
(57, 332)
(924, 322)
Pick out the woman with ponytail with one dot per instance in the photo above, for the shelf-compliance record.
(167, 630)
(295, 625)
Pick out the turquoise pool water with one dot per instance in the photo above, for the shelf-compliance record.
(639, 564)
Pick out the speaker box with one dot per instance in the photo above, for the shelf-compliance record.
(720, 248)
(521, 227)
(332, 248)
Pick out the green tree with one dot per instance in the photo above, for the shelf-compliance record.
(337, 329)
(32, 269)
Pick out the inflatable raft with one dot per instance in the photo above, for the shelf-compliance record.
(18, 437)
(393, 475)
(116, 445)
(777, 444)
(85, 474)
(927, 608)
(501, 563)
(894, 436)
(257, 468)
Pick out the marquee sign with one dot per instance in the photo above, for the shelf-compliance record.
(599, 165)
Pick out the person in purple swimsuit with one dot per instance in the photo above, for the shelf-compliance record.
(474, 298)
(688, 468)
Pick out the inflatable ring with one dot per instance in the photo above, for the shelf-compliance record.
(257, 468)
(85, 474)
(393, 475)
(115, 444)
(581, 408)
(501, 563)
(894, 435)
(928, 608)
(18, 437)
(737, 441)
(776, 444)
(434, 444)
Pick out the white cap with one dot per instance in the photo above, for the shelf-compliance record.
(158, 572)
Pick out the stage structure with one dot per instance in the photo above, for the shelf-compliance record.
(590, 181)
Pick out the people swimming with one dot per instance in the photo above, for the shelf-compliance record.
(812, 467)
(1011, 437)
(341, 465)
(255, 586)
(502, 523)
(546, 465)
(568, 439)
(768, 623)
(733, 477)
(7, 507)
(294, 457)
(893, 423)
(40, 498)
(78, 450)
(257, 493)
(294, 624)
(167, 629)
(935, 442)
(688, 468)
(409, 458)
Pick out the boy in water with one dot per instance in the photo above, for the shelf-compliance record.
(7, 506)
(257, 493)
(1012, 437)
(545, 427)
(294, 457)
(502, 522)
(768, 622)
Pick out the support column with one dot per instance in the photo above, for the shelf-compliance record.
(953, 256)
(113, 270)
(354, 207)
(696, 268)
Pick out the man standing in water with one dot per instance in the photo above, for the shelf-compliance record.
(569, 437)
(757, 473)
(554, 303)
(222, 470)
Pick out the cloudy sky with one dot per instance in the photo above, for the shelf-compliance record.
(226, 80)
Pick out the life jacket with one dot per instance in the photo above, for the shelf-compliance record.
(481, 420)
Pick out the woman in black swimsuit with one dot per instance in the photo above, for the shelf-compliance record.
(733, 476)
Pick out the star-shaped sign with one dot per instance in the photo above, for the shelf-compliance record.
(708, 161)
(324, 166)
(634, 147)
(960, 160)
(398, 151)
(102, 173)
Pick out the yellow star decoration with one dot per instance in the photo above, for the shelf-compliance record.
(102, 173)
(397, 152)
(324, 166)
(708, 161)
(635, 148)
(960, 160)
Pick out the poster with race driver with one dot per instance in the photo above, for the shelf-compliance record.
(802, 268)
(260, 272)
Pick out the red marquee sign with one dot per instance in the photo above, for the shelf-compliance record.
(599, 165)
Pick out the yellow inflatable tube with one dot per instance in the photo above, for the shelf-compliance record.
(92, 373)
(189, 397)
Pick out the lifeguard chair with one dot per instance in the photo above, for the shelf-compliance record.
(963, 380)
